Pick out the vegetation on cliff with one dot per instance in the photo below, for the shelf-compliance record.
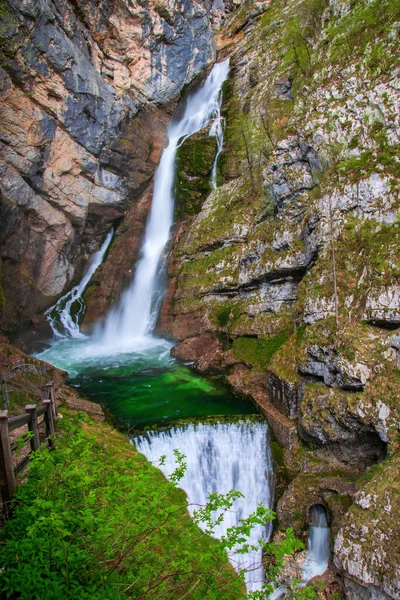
(292, 264)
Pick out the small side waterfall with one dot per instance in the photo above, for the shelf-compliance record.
(134, 317)
(219, 458)
(217, 130)
(62, 312)
(317, 558)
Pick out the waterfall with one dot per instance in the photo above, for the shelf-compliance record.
(135, 315)
(61, 312)
(318, 552)
(221, 457)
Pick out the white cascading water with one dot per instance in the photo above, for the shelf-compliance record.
(60, 312)
(134, 317)
(217, 130)
(316, 561)
(219, 458)
(317, 558)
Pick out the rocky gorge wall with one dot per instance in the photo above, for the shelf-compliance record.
(86, 92)
(286, 278)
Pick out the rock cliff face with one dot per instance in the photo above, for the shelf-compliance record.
(288, 279)
(85, 90)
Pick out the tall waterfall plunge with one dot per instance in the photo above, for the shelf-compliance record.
(219, 458)
(135, 316)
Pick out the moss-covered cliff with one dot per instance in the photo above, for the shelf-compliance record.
(288, 280)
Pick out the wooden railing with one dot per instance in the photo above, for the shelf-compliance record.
(39, 431)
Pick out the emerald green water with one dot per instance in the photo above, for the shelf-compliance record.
(143, 387)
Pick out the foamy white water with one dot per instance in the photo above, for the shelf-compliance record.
(217, 130)
(318, 552)
(221, 457)
(60, 313)
(135, 315)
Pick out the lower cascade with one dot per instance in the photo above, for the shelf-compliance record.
(318, 552)
(221, 457)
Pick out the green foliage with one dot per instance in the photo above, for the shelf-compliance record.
(366, 24)
(275, 556)
(384, 159)
(20, 442)
(98, 521)
(194, 162)
(299, 35)
(245, 146)
(268, 204)
(256, 351)
(223, 314)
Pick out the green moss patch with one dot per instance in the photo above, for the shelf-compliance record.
(258, 352)
(194, 163)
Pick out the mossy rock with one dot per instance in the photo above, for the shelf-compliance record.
(194, 164)
(258, 352)
(368, 545)
(322, 484)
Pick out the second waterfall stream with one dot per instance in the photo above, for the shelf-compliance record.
(128, 369)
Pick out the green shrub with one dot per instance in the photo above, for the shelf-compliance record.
(97, 521)
(222, 315)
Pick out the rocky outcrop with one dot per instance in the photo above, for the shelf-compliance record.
(85, 92)
(194, 164)
(367, 545)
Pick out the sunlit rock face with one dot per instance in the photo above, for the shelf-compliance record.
(85, 92)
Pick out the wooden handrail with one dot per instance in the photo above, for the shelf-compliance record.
(18, 421)
(8, 471)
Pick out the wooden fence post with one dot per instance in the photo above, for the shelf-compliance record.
(8, 485)
(52, 395)
(49, 420)
(33, 426)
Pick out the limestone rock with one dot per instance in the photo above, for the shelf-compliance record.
(367, 545)
(204, 351)
(383, 306)
(284, 395)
